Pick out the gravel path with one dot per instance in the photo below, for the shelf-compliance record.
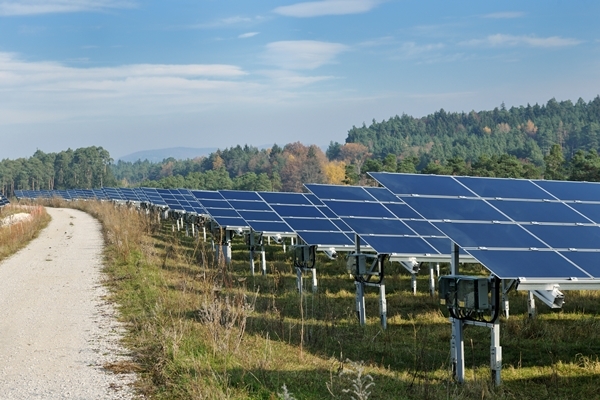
(56, 329)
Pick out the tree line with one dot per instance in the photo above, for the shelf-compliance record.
(558, 140)
(84, 168)
(526, 132)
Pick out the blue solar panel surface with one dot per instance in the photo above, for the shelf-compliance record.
(304, 214)
(368, 213)
(516, 228)
(219, 209)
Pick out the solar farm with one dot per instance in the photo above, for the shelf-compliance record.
(535, 236)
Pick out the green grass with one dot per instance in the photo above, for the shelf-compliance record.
(199, 329)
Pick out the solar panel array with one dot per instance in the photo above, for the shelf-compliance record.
(3, 201)
(516, 228)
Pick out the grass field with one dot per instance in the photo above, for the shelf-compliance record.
(201, 329)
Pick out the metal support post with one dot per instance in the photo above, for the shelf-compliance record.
(382, 306)
(431, 280)
(228, 253)
(227, 247)
(413, 283)
(531, 304)
(457, 345)
(193, 230)
(457, 350)
(250, 243)
(437, 269)
(204, 233)
(360, 302)
(505, 303)
(314, 279)
(283, 242)
(454, 254)
(263, 260)
(360, 288)
(299, 284)
(496, 354)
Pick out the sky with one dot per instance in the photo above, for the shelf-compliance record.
(135, 75)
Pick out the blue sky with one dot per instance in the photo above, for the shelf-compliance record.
(134, 75)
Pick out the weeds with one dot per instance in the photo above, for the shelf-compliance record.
(285, 395)
(225, 318)
(352, 381)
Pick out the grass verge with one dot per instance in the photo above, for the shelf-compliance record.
(15, 235)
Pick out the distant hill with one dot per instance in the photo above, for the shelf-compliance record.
(179, 153)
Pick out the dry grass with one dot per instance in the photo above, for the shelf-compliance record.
(16, 236)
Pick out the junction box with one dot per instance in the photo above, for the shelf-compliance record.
(465, 292)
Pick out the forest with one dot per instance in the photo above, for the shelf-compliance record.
(556, 140)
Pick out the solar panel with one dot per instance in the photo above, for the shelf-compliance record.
(434, 185)
(113, 194)
(191, 203)
(531, 264)
(503, 188)
(367, 212)
(141, 195)
(571, 191)
(439, 208)
(539, 211)
(154, 197)
(129, 195)
(304, 213)
(515, 228)
(219, 209)
(3, 201)
(256, 212)
(170, 200)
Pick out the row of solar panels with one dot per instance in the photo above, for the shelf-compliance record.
(271, 213)
(516, 228)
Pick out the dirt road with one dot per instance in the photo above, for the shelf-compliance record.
(56, 330)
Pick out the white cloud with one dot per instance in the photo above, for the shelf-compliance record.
(50, 91)
(505, 15)
(502, 40)
(247, 35)
(141, 89)
(32, 7)
(327, 7)
(289, 79)
(412, 49)
(233, 21)
(302, 54)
